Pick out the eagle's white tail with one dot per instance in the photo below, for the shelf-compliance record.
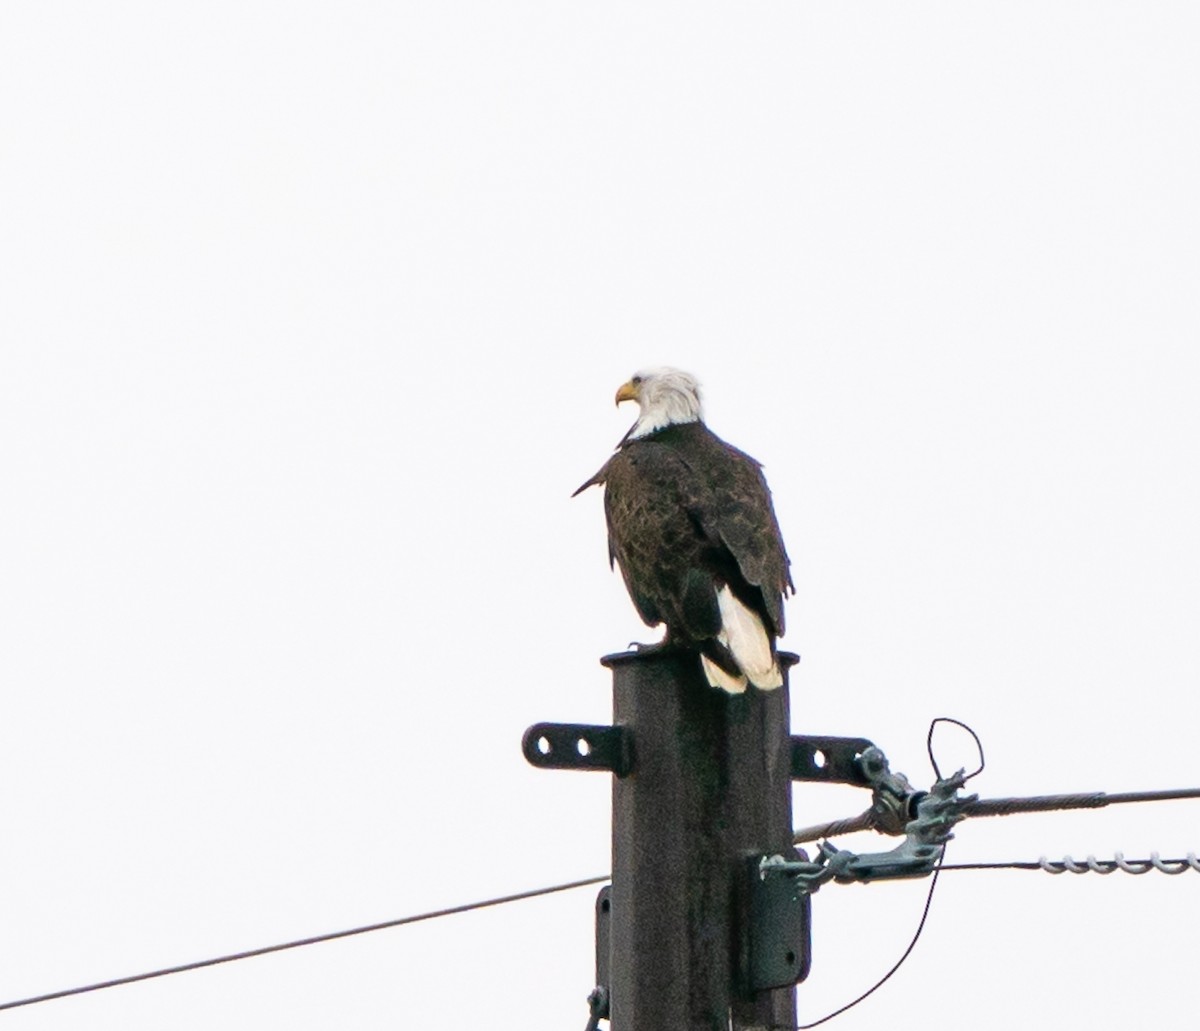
(743, 633)
(717, 677)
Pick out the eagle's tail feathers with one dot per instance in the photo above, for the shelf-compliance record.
(769, 679)
(744, 634)
(721, 669)
(717, 677)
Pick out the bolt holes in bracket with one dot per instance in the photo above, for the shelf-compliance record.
(832, 759)
(579, 746)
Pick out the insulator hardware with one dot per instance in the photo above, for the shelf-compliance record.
(938, 810)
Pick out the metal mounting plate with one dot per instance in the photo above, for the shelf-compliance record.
(579, 746)
(778, 936)
(830, 759)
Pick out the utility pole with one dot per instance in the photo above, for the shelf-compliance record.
(687, 939)
(711, 786)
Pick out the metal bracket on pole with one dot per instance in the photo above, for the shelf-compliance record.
(579, 746)
(777, 939)
(834, 760)
(598, 1001)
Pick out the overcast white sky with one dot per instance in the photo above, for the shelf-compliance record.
(311, 319)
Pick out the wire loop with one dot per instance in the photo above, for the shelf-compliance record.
(929, 746)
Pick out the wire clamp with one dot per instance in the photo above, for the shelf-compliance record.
(893, 801)
(597, 1007)
(925, 837)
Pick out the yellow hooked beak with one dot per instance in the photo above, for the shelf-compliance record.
(628, 392)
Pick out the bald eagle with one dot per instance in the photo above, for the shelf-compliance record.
(692, 528)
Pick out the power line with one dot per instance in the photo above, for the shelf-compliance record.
(1092, 865)
(299, 942)
(1006, 807)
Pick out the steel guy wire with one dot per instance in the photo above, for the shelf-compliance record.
(1006, 807)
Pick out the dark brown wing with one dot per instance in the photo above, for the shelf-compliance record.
(733, 506)
(649, 492)
(598, 481)
(686, 513)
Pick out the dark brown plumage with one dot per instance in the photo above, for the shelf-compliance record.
(688, 515)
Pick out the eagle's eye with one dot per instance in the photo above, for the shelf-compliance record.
(636, 380)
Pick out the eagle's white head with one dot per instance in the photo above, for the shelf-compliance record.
(665, 396)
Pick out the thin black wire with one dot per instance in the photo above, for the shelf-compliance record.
(957, 723)
(315, 939)
(883, 980)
